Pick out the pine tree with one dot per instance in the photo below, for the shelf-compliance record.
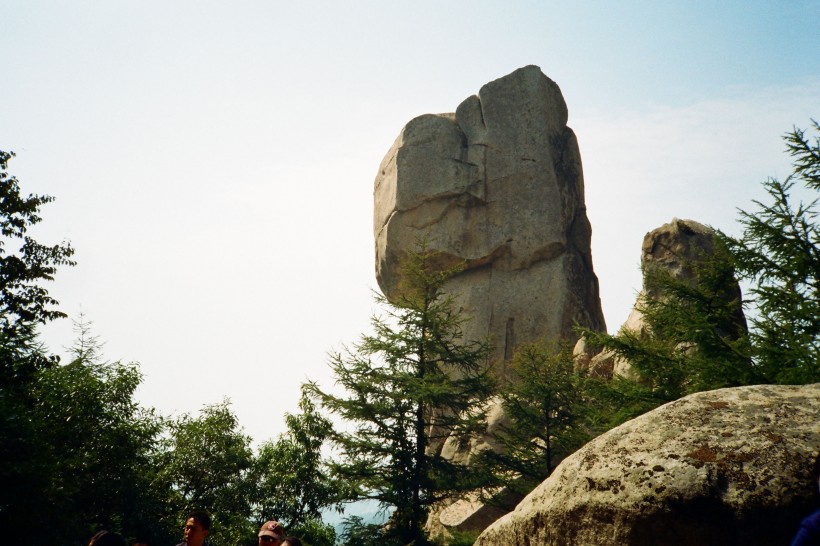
(696, 337)
(779, 253)
(410, 385)
(695, 341)
(549, 414)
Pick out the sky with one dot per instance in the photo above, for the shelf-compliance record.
(213, 162)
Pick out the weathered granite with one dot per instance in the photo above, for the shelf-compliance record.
(497, 186)
(724, 467)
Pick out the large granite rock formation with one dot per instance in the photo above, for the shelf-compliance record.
(725, 467)
(497, 186)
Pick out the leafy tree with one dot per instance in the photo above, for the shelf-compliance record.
(24, 302)
(292, 481)
(779, 253)
(101, 441)
(549, 414)
(204, 463)
(409, 385)
(91, 447)
(24, 466)
(314, 532)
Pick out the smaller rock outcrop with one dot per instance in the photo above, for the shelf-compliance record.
(724, 467)
(676, 247)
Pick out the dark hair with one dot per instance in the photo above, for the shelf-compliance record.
(202, 517)
(292, 541)
(105, 538)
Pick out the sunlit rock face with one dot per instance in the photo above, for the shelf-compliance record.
(499, 187)
(724, 467)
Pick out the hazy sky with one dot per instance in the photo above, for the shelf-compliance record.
(213, 162)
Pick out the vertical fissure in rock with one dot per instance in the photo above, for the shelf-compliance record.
(509, 340)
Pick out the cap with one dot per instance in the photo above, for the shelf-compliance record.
(272, 529)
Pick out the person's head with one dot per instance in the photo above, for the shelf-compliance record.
(291, 541)
(105, 538)
(140, 541)
(271, 534)
(197, 528)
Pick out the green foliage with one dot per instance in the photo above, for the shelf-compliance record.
(549, 415)
(83, 456)
(779, 253)
(460, 538)
(410, 385)
(291, 479)
(100, 439)
(204, 463)
(358, 533)
(620, 399)
(24, 302)
(314, 532)
(697, 338)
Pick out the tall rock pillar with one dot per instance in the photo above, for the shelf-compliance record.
(499, 187)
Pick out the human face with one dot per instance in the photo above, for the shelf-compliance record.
(194, 533)
(267, 540)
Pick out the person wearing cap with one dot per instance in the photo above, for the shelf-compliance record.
(271, 534)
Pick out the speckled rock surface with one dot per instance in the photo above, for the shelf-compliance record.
(724, 467)
(498, 187)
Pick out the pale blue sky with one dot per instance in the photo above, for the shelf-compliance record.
(213, 162)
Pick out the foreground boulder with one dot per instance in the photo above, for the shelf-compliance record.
(498, 188)
(724, 467)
